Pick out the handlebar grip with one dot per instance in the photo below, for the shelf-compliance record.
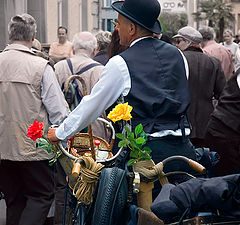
(76, 169)
(196, 166)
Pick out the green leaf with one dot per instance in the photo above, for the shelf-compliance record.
(143, 134)
(149, 157)
(142, 158)
(138, 129)
(43, 141)
(122, 143)
(48, 148)
(134, 145)
(120, 136)
(140, 140)
(127, 130)
(131, 162)
(147, 149)
(42, 145)
(134, 153)
(144, 155)
(131, 136)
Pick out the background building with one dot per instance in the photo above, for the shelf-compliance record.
(107, 14)
(84, 15)
(236, 13)
(76, 15)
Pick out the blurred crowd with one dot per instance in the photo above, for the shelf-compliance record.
(28, 72)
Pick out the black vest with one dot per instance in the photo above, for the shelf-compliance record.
(228, 108)
(159, 91)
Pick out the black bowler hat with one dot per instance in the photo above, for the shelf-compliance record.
(142, 12)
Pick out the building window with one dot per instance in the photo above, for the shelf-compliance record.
(80, 15)
(59, 8)
(107, 25)
(103, 24)
(107, 3)
(110, 26)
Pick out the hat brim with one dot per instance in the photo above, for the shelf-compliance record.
(157, 29)
(178, 36)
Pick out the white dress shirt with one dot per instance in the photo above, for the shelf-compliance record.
(238, 80)
(114, 81)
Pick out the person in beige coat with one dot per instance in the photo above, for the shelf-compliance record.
(84, 45)
(28, 93)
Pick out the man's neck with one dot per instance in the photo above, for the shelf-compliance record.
(28, 44)
(139, 37)
(82, 52)
(210, 42)
(62, 42)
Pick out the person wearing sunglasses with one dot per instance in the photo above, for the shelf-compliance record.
(206, 81)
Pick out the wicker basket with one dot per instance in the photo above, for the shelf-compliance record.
(80, 144)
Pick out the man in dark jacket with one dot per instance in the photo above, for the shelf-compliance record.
(206, 81)
(223, 132)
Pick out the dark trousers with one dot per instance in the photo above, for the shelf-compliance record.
(171, 146)
(60, 189)
(198, 142)
(229, 152)
(29, 191)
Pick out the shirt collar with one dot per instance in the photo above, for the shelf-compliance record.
(139, 39)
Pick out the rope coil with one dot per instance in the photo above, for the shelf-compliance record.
(87, 180)
(151, 171)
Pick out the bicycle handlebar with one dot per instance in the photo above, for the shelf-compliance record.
(193, 164)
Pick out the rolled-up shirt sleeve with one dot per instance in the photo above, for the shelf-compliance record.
(53, 98)
(114, 81)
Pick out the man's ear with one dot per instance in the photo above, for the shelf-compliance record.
(34, 35)
(132, 29)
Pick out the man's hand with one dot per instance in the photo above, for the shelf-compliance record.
(51, 136)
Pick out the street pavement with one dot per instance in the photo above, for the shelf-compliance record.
(2, 212)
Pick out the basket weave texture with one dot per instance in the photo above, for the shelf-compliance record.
(80, 144)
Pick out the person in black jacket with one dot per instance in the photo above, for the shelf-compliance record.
(223, 132)
(103, 40)
(206, 81)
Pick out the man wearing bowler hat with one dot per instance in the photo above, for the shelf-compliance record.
(152, 77)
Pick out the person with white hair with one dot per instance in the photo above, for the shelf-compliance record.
(103, 41)
(84, 45)
(28, 93)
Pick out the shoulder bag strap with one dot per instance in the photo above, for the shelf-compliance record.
(88, 67)
(70, 65)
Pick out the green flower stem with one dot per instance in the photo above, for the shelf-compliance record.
(44, 144)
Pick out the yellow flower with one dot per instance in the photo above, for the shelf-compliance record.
(120, 112)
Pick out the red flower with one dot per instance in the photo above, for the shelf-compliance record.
(35, 131)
